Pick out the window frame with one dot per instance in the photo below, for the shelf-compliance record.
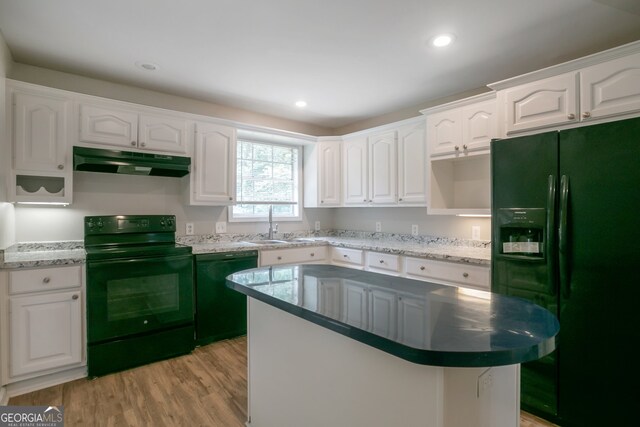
(265, 218)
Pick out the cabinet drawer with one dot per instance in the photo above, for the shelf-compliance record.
(459, 274)
(386, 262)
(352, 257)
(293, 255)
(44, 279)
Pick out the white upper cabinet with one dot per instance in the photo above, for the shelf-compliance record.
(462, 127)
(601, 86)
(38, 125)
(610, 88)
(40, 132)
(412, 160)
(543, 103)
(355, 171)
(322, 174)
(213, 175)
(382, 171)
(109, 125)
(445, 132)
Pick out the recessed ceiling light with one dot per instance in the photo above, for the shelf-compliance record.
(301, 104)
(147, 66)
(442, 40)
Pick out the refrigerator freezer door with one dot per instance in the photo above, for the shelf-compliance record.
(599, 302)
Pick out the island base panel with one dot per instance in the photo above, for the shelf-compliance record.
(301, 373)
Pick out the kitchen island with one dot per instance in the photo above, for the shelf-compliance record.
(334, 346)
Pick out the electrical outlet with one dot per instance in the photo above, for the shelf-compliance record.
(221, 227)
(485, 382)
(378, 226)
(317, 226)
(475, 232)
(189, 229)
(414, 229)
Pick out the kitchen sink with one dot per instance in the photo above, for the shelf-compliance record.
(268, 242)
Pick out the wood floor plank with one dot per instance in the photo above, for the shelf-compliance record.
(205, 388)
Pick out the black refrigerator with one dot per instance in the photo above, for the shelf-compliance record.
(566, 235)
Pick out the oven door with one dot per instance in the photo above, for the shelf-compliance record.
(140, 295)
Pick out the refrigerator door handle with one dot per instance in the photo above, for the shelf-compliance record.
(563, 237)
(550, 237)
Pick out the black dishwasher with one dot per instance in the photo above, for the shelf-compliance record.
(221, 312)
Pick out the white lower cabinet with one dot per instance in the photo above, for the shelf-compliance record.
(45, 321)
(347, 257)
(383, 263)
(413, 325)
(474, 276)
(300, 255)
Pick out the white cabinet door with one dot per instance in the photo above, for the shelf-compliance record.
(383, 313)
(543, 103)
(479, 125)
(413, 324)
(40, 132)
(46, 332)
(382, 168)
(355, 304)
(412, 164)
(444, 132)
(163, 133)
(330, 298)
(355, 171)
(108, 126)
(213, 178)
(610, 88)
(329, 176)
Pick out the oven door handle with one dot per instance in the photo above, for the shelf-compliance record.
(167, 258)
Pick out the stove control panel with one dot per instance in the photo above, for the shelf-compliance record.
(123, 224)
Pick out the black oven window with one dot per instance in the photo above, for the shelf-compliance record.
(142, 296)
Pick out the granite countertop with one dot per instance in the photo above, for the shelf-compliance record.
(462, 327)
(40, 254)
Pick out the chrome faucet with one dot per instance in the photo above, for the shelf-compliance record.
(272, 229)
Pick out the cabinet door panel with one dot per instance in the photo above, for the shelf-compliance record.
(610, 88)
(329, 178)
(382, 175)
(163, 134)
(213, 178)
(544, 103)
(40, 135)
(355, 305)
(383, 314)
(412, 164)
(479, 125)
(444, 132)
(355, 172)
(108, 126)
(46, 332)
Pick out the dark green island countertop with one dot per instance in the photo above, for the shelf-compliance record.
(422, 322)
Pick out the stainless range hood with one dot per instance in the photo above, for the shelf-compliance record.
(129, 162)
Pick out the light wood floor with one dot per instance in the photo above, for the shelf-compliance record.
(205, 388)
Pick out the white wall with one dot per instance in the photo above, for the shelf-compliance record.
(399, 220)
(111, 194)
(7, 236)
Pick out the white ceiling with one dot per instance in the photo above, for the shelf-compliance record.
(349, 59)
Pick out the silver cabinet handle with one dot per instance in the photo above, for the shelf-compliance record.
(144, 144)
(230, 198)
(313, 254)
(586, 115)
(60, 167)
(345, 255)
(133, 143)
(321, 201)
(457, 148)
(464, 147)
(422, 267)
(400, 199)
(75, 296)
(46, 280)
(364, 200)
(465, 275)
(571, 116)
(279, 258)
(381, 261)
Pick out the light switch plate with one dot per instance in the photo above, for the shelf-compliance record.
(221, 227)
(189, 229)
